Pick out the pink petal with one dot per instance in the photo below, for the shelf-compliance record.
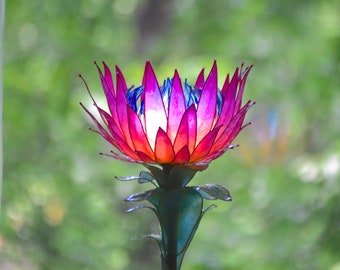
(182, 137)
(204, 147)
(186, 135)
(238, 127)
(176, 107)
(241, 87)
(108, 78)
(102, 131)
(225, 117)
(138, 136)
(164, 152)
(121, 105)
(182, 156)
(225, 86)
(200, 80)
(231, 104)
(114, 138)
(231, 88)
(192, 128)
(227, 112)
(121, 157)
(230, 131)
(108, 90)
(215, 155)
(144, 157)
(119, 76)
(154, 115)
(109, 121)
(118, 140)
(206, 109)
(124, 148)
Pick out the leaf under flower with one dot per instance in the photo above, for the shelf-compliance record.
(213, 192)
(137, 197)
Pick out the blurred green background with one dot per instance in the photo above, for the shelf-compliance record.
(62, 207)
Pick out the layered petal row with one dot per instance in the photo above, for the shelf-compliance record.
(174, 123)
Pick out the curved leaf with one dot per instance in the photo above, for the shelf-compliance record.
(128, 178)
(137, 207)
(213, 192)
(146, 177)
(137, 197)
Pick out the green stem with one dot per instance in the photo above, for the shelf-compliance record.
(170, 262)
(179, 212)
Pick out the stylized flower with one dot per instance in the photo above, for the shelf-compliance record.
(176, 123)
(180, 127)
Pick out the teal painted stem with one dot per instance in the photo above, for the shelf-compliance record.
(179, 212)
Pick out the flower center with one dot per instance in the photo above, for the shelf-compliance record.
(191, 93)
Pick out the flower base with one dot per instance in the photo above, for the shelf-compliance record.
(179, 208)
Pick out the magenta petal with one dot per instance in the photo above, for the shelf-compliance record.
(108, 90)
(123, 147)
(204, 147)
(138, 136)
(213, 155)
(106, 81)
(164, 152)
(186, 134)
(243, 79)
(118, 140)
(225, 86)
(230, 131)
(108, 78)
(176, 107)
(226, 115)
(227, 112)
(237, 128)
(121, 157)
(154, 115)
(231, 104)
(200, 80)
(110, 122)
(231, 88)
(121, 108)
(182, 156)
(114, 138)
(192, 127)
(112, 104)
(144, 157)
(102, 131)
(120, 79)
(182, 137)
(206, 109)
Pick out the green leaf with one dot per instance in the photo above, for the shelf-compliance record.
(156, 237)
(213, 192)
(157, 173)
(128, 178)
(137, 207)
(145, 177)
(213, 206)
(137, 197)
